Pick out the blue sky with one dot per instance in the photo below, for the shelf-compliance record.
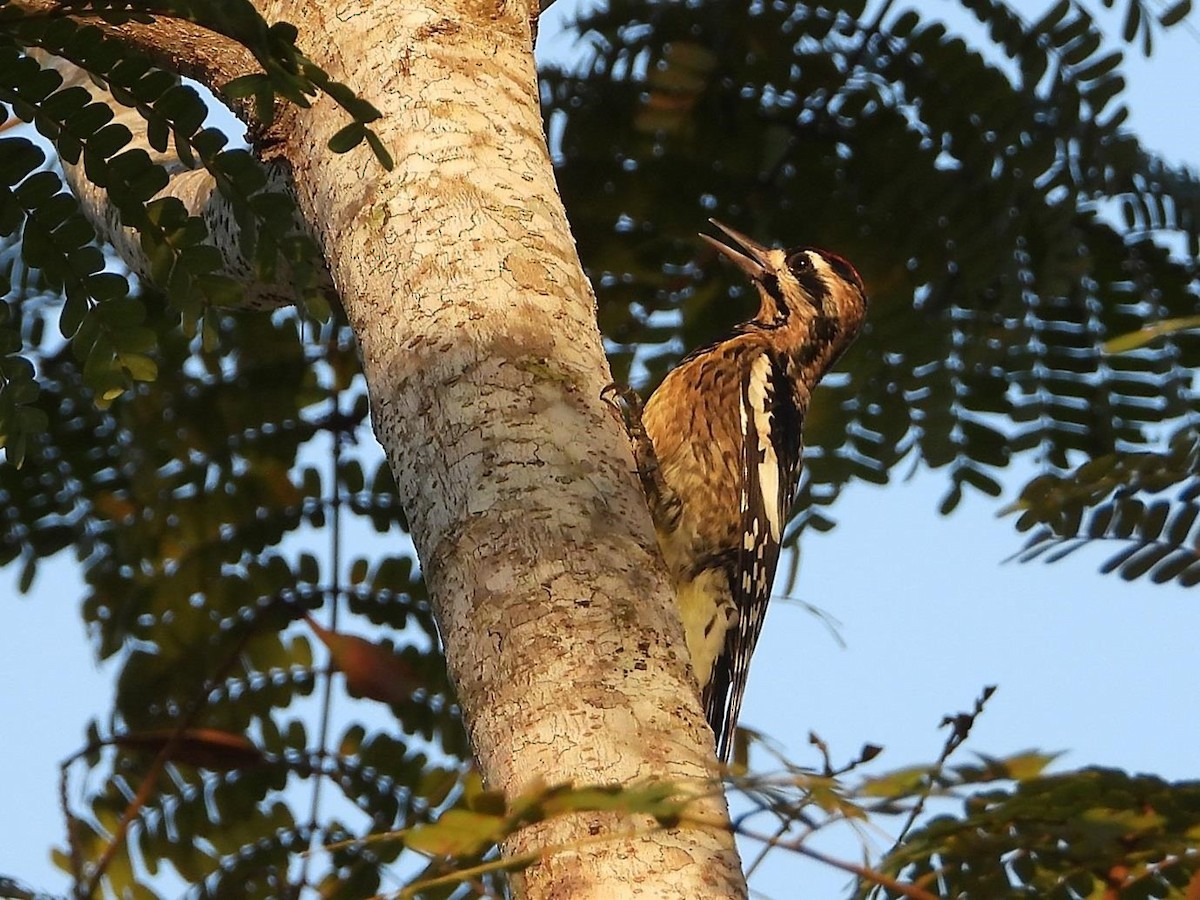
(929, 614)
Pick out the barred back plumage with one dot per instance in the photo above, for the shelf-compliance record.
(725, 429)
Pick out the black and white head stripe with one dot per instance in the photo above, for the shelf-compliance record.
(817, 271)
(839, 265)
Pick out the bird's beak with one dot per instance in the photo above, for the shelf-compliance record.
(751, 262)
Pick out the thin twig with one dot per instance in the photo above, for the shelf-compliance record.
(960, 727)
(900, 887)
(863, 872)
(767, 847)
(76, 853)
(335, 554)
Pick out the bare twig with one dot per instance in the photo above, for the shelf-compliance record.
(335, 591)
(76, 854)
(767, 847)
(863, 872)
(960, 727)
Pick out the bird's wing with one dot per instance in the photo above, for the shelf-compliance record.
(770, 467)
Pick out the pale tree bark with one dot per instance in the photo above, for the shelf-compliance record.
(480, 348)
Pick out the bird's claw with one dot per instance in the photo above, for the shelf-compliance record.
(628, 404)
(619, 396)
(665, 506)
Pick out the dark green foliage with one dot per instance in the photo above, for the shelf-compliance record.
(58, 244)
(1112, 498)
(1060, 837)
(189, 503)
(288, 73)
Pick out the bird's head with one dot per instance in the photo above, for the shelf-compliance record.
(815, 292)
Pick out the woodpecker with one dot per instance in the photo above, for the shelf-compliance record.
(718, 448)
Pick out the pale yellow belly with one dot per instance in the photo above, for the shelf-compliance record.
(708, 613)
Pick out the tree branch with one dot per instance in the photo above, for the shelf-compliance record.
(194, 188)
(865, 873)
(172, 43)
(212, 60)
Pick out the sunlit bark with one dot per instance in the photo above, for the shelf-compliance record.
(485, 368)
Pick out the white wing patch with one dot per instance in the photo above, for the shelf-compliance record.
(759, 392)
(743, 497)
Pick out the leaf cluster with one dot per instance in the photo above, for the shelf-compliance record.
(1003, 827)
(287, 73)
(57, 245)
(204, 509)
(1117, 498)
(1083, 834)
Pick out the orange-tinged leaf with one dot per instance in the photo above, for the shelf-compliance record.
(372, 670)
(113, 507)
(205, 748)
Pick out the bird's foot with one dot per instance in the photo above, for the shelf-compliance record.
(665, 506)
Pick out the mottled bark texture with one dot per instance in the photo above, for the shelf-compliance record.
(485, 367)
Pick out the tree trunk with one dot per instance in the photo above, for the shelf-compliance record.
(485, 367)
(479, 343)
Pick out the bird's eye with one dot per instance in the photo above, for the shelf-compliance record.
(799, 262)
